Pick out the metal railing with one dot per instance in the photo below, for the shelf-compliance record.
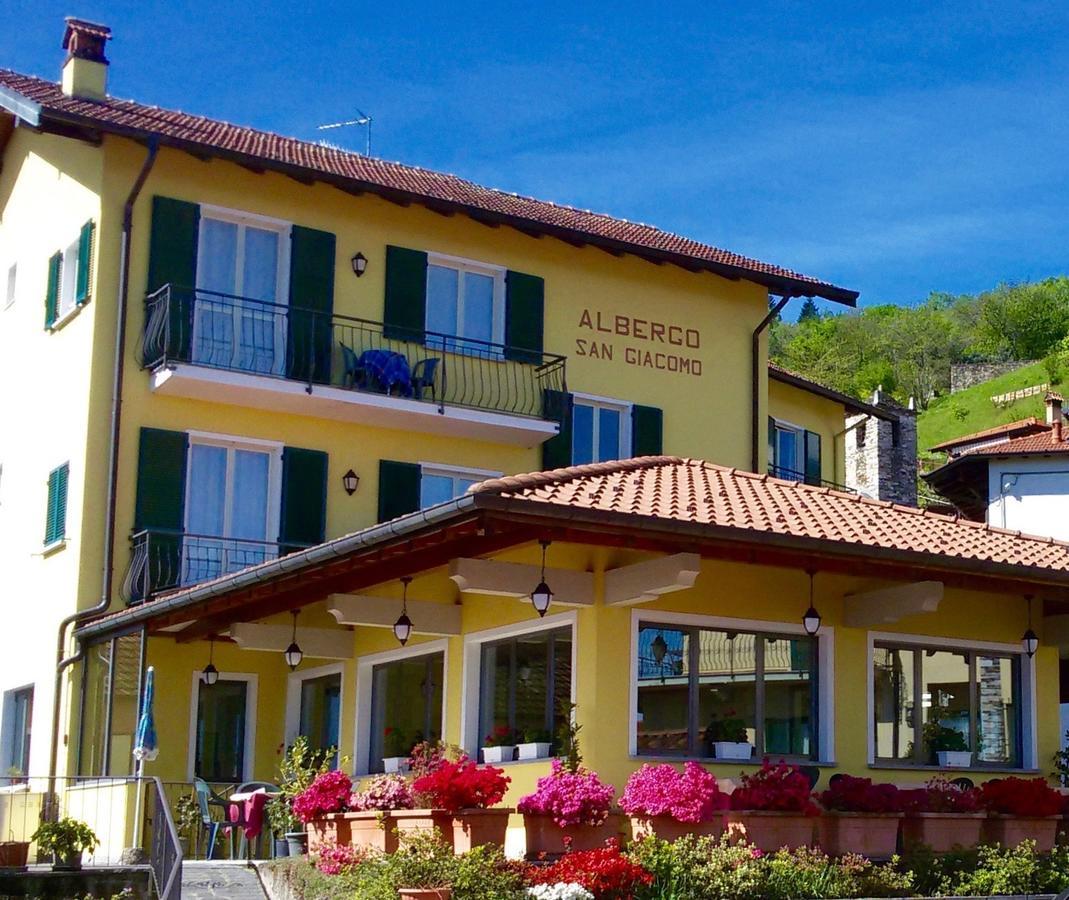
(108, 805)
(794, 475)
(163, 559)
(274, 340)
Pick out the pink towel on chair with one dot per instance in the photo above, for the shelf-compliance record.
(254, 813)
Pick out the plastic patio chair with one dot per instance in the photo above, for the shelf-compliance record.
(354, 376)
(812, 773)
(206, 799)
(423, 373)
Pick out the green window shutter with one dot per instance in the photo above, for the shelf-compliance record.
(399, 486)
(647, 431)
(812, 458)
(312, 255)
(524, 317)
(405, 308)
(56, 513)
(557, 451)
(83, 277)
(173, 260)
(55, 263)
(161, 480)
(771, 464)
(304, 498)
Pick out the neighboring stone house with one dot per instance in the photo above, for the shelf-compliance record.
(881, 453)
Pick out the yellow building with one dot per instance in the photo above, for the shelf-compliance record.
(263, 378)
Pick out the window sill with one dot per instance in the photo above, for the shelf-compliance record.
(54, 547)
(21, 788)
(955, 770)
(754, 763)
(66, 317)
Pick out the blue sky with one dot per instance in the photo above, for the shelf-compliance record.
(892, 148)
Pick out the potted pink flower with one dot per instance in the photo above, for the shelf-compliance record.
(859, 817)
(773, 808)
(570, 809)
(941, 816)
(320, 806)
(371, 812)
(1021, 809)
(667, 803)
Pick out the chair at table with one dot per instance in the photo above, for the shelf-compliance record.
(423, 373)
(206, 799)
(249, 787)
(812, 773)
(355, 375)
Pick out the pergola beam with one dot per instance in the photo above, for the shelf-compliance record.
(646, 581)
(382, 612)
(500, 579)
(884, 606)
(316, 643)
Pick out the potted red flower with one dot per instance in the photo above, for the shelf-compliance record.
(320, 808)
(1021, 809)
(500, 745)
(604, 872)
(569, 810)
(859, 817)
(773, 808)
(459, 795)
(667, 803)
(941, 815)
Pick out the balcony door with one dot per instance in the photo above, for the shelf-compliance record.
(239, 319)
(232, 508)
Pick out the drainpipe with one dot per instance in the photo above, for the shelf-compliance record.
(113, 456)
(755, 417)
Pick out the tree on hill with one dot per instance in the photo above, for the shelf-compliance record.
(809, 311)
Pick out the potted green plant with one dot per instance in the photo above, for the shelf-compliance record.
(187, 820)
(500, 745)
(66, 840)
(726, 737)
(947, 747)
(536, 744)
(283, 823)
(298, 768)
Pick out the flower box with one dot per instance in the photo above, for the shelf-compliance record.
(476, 827)
(396, 765)
(499, 754)
(546, 837)
(332, 828)
(534, 750)
(943, 831)
(870, 834)
(418, 820)
(442, 893)
(769, 830)
(375, 829)
(954, 759)
(667, 828)
(13, 854)
(1009, 831)
(732, 749)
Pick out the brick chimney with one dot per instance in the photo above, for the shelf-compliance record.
(85, 70)
(1054, 416)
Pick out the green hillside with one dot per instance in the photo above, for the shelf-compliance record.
(953, 415)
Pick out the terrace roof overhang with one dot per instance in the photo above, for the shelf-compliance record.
(482, 524)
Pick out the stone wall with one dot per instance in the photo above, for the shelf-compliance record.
(881, 456)
(965, 375)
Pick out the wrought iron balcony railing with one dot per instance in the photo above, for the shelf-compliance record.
(162, 560)
(289, 342)
(794, 475)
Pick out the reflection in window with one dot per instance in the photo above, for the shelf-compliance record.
(892, 673)
(406, 706)
(739, 685)
(321, 711)
(220, 741)
(600, 431)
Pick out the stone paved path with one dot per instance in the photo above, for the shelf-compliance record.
(210, 880)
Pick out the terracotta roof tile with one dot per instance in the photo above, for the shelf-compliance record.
(1030, 425)
(1031, 444)
(689, 490)
(214, 135)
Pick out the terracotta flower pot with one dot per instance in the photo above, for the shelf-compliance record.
(13, 854)
(1009, 831)
(374, 829)
(443, 893)
(771, 830)
(332, 828)
(408, 820)
(874, 835)
(1063, 830)
(942, 832)
(546, 837)
(476, 827)
(668, 829)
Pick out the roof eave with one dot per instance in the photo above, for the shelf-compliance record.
(850, 403)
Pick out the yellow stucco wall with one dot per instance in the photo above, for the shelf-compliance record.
(814, 413)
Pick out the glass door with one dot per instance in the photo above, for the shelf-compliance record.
(321, 712)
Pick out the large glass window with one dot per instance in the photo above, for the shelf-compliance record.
(320, 713)
(526, 686)
(928, 700)
(601, 431)
(692, 681)
(222, 711)
(465, 300)
(406, 706)
(17, 720)
(437, 485)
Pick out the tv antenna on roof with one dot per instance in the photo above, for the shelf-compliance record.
(363, 119)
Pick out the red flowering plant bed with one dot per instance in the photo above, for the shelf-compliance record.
(941, 815)
(773, 807)
(459, 794)
(605, 872)
(571, 807)
(1021, 809)
(860, 817)
(665, 802)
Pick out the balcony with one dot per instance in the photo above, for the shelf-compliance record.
(210, 346)
(795, 475)
(163, 560)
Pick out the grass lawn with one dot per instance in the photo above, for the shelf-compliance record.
(953, 415)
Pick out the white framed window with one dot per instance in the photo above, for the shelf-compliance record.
(786, 450)
(68, 280)
(465, 299)
(691, 671)
(438, 483)
(314, 705)
(400, 700)
(601, 429)
(929, 695)
(242, 289)
(232, 506)
(17, 722)
(518, 677)
(222, 728)
(11, 285)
